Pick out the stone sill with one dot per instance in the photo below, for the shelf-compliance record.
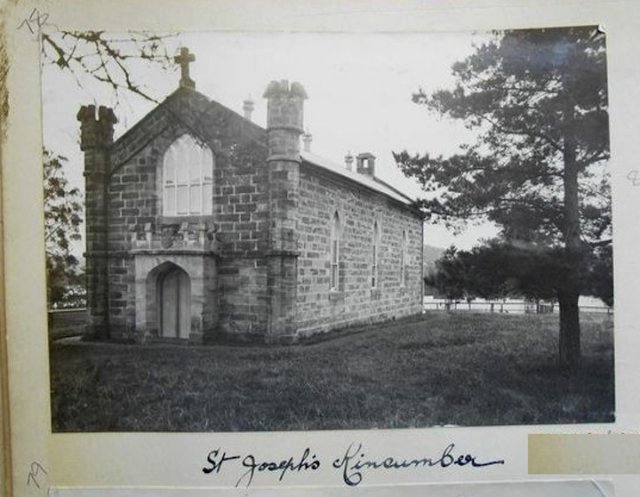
(173, 251)
(195, 218)
(336, 296)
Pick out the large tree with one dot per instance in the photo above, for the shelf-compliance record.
(537, 100)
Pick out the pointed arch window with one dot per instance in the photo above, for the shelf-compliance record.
(403, 259)
(335, 252)
(187, 178)
(375, 249)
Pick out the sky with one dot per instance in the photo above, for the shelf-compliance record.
(359, 88)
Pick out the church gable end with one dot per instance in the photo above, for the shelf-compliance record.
(212, 212)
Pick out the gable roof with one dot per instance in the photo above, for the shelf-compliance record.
(370, 182)
(191, 110)
(196, 112)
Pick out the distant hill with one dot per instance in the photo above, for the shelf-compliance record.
(431, 254)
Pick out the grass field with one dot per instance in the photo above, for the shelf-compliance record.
(460, 368)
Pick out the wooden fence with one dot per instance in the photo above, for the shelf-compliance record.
(508, 307)
(67, 322)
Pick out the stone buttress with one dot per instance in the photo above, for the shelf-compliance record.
(96, 140)
(284, 127)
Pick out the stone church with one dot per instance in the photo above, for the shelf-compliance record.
(202, 225)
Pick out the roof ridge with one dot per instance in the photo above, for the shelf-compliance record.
(367, 181)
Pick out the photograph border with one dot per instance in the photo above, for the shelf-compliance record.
(175, 459)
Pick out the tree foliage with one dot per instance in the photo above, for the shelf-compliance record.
(601, 270)
(537, 100)
(498, 269)
(448, 276)
(62, 221)
(525, 92)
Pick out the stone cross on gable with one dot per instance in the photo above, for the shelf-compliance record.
(184, 59)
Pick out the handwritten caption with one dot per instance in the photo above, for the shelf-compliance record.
(35, 470)
(34, 22)
(352, 466)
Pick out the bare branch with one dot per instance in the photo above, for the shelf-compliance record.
(108, 59)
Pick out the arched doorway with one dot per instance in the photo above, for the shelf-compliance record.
(174, 303)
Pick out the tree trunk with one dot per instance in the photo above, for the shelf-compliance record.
(569, 331)
(570, 291)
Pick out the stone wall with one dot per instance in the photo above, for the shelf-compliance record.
(236, 234)
(354, 301)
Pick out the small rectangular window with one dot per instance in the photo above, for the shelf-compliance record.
(334, 264)
(403, 261)
(170, 199)
(374, 265)
(194, 173)
(194, 200)
(334, 256)
(183, 174)
(183, 199)
(207, 197)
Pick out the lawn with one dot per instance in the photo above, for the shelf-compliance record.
(441, 368)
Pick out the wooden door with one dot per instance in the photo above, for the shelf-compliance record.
(175, 303)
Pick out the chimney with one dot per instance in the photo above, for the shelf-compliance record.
(348, 159)
(285, 106)
(366, 163)
(247, 106)
(306, 140)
